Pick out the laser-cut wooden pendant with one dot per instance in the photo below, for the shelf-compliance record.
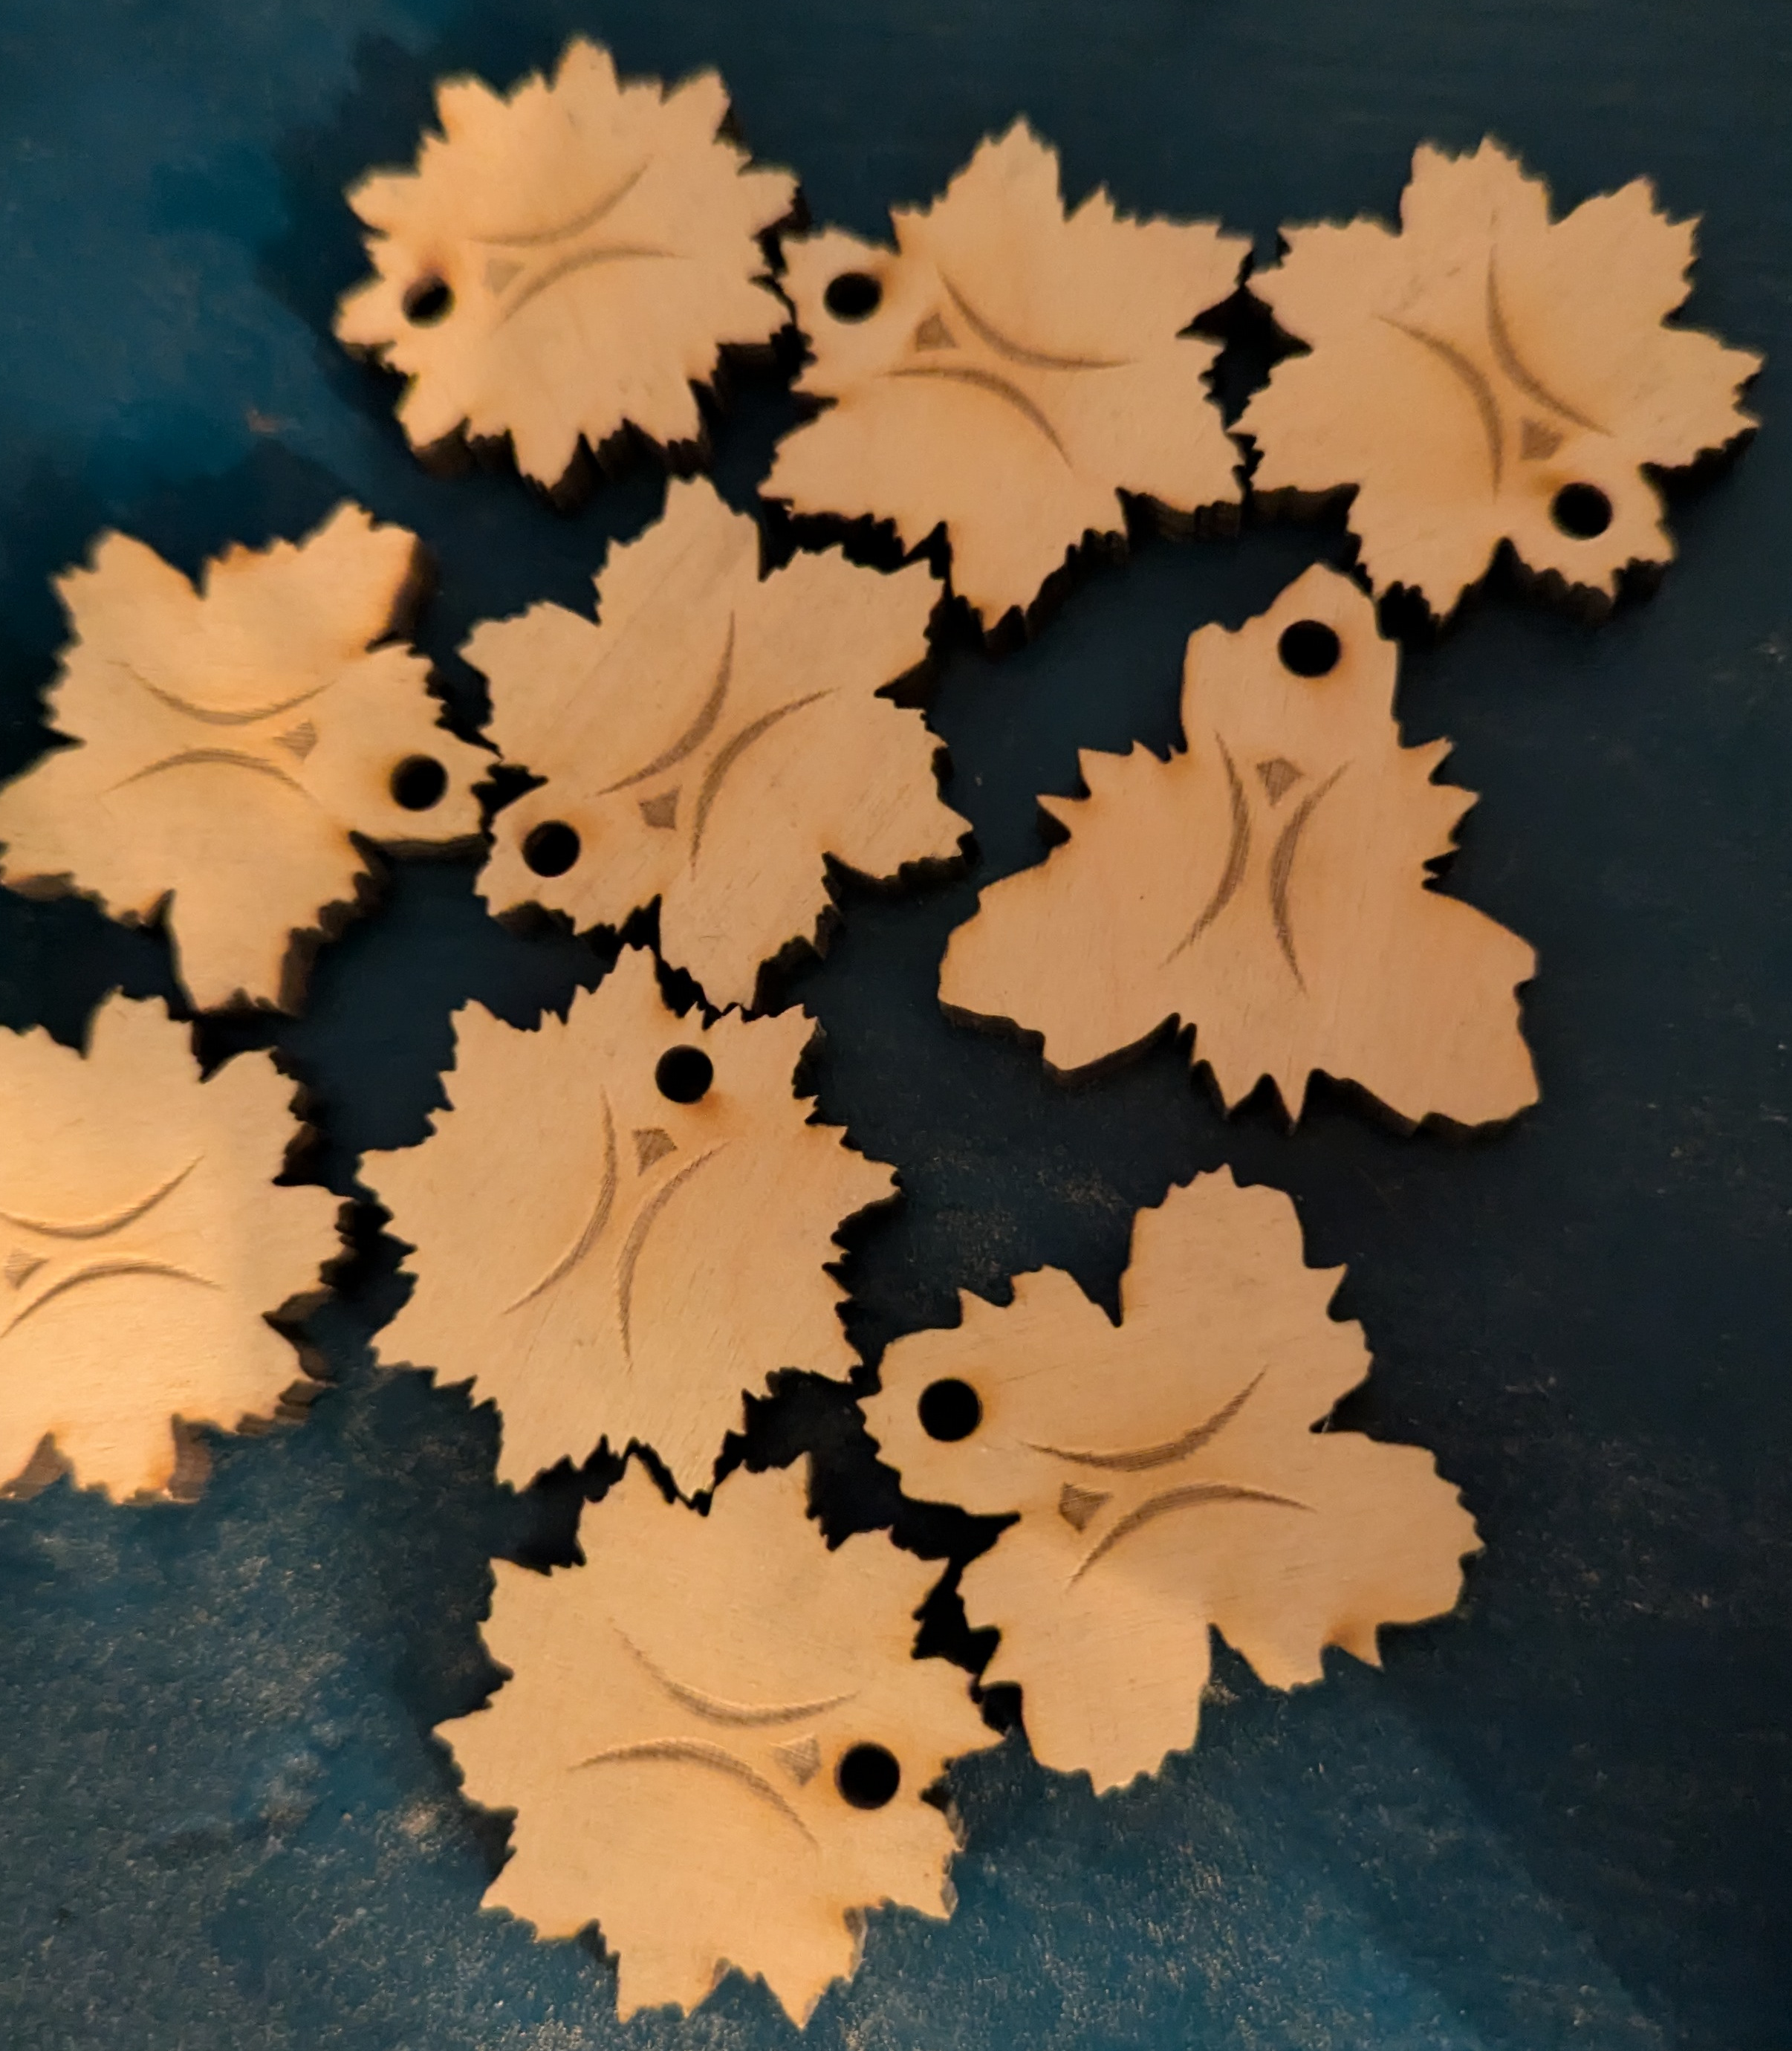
(1267, 886)
(566, 260)
(716, 1741)
(1008, 371)
(623, 1222)
(143, 1240)
(1168, 1479)
(1484, 375)
(234, 742)
(712, 740)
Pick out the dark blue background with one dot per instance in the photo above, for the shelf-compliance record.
(1558, 1819)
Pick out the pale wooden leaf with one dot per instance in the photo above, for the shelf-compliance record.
(596, 244)
(143, 1240)
(1267, 886)
(713, 739)
(1469, 371)
(1168, 1480)
(233, 741)
(1019, 369)
(607, 1262)
(672, 1736)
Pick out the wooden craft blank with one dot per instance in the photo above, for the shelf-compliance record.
(566, 259)
(1015, 372)
(142, 1239)
(713, 739)
(234, 740)
(610, 1262)
(1168, 1479)
(682, 1713)
(1485, 376)
(1267, 886)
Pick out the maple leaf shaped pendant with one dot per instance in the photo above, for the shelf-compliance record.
(1485, 375)
(712, 740)
(234, 741)
(1008, 371)
(1267, 886)
(566, 261)
(1168, 1479)
(654, 1221)
(716, 1740)
(143, 1241)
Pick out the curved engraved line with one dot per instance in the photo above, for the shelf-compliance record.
(1237, 855)
(987, 380)
(540, 237)
(212, 716)
(638, 1240)
(106, 1271)
(101, 1227)
(1492, 425)
(1016, 352)
(694, 735)
(718, 1711)
(1197, 1495)
(718, 769)
(694, 1751)
(1513, 364)
(582, 261)
(227, 758)
(593, 1225)
(1282, 869)
(1136, 1460)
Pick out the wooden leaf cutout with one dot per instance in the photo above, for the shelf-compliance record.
(690, 1718)
(566, 260)
(1486, 375)
(233, 741)
(1168, 1479)
(1267, 886)
(712, 740)
(142, 1239)
(622, 1224)
(1009, 370)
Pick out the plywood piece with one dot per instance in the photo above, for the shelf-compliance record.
(142, 1242)
(712, 740)
(1010, 371)
(1168, 1479)
(566, 259)
(233, 741)
(1486, 375)
(607, 1254)
(1267, 885)
(688, 1715)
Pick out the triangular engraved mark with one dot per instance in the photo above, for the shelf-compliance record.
(499, 271)
(652, 1143)
(21, 1266)
(661, 812)
(1278, 773)
(298, 740)
(801, 1759)
(1534, 441)
(933, 333)
(1076, 1505)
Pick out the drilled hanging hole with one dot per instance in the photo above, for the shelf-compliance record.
(428, 301)
(868, 1776)
(1581, 511)
(950, 1410)
(854, 295)
(684, 1074)
(418, 782)
(1309, 648)
(552, 848)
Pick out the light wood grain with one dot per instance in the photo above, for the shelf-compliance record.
(1484, 375)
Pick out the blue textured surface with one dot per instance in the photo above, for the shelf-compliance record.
(1558, 1819)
